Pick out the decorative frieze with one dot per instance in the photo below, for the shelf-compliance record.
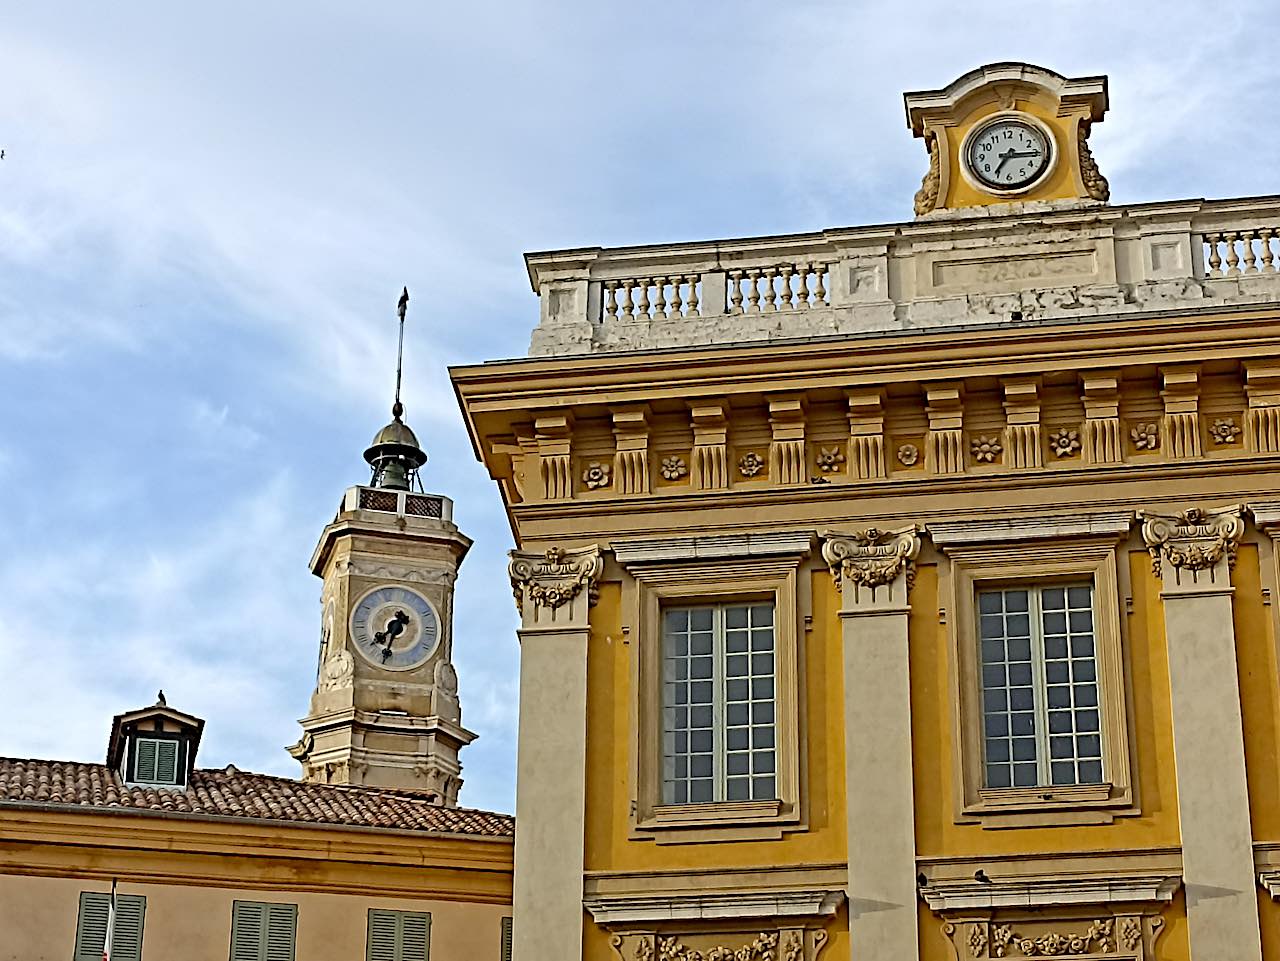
(785, 944)
(553, 434)
(1180, 427)
(710, 446)
(631, 457)
(1262, 426)
(786, 449)
(866, 434)
(870, 558)
(1102, 441)
(1022, 422)
(545, 583)
(1194, 546)
(944, 446)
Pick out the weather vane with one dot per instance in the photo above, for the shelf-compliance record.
(397, 409)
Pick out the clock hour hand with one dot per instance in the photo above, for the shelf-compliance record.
(1004, 158)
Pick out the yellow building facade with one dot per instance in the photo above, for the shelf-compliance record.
(904, 591)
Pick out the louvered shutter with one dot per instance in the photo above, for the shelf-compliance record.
(384, 936)
(282, 925)
(91, 929)
(126, 942)
(247, 918)
(166, 762)
(415, 936)
(144, 763)
(506, 939)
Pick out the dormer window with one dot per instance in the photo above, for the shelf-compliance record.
(155, 761)
(155, 746)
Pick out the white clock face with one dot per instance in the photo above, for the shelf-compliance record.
(1008, 154)
(395, 628)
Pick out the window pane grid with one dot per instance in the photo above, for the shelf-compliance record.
(1040, 714)
(718, 673)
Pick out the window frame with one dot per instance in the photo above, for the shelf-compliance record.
(687, 583)
(1002, 566)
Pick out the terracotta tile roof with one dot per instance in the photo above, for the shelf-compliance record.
(233, 793)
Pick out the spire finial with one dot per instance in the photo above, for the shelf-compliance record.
(397, 408)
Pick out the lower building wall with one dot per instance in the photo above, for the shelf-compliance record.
(38, 921)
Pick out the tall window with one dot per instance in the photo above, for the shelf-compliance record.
(718, 704)
(1040, 715)
(263, 931)
(91, 926)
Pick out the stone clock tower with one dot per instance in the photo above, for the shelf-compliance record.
(385, 711)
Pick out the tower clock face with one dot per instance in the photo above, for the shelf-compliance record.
(1008, 154)
(395, 628)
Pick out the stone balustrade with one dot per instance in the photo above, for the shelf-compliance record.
(1015, 263)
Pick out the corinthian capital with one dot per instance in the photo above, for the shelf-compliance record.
(1197, 546)
(870, 558)
(557, 586)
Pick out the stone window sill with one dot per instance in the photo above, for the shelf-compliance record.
(715, 821)
(1065, 805)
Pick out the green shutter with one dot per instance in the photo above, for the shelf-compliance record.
(91, 928)
(415, 936)
(506, 939)
(144, 764)
(263, 932)
(398, 936)
(282, 925)
(166, 762)
(384, 936)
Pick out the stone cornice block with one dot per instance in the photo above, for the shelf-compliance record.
(1113, 524)
(944, 896)
(694, 907)
(667, 550)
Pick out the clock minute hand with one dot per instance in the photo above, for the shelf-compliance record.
(1004, 159)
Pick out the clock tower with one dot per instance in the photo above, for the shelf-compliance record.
(385, 710)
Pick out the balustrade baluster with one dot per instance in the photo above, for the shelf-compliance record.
(660, 301)
(693, 311)
(820, 292)
(787, 295)
(1215, 262)
(753, 295)
(1233, 259)
(803, 292)
(770, 292)
(628, 305)
(735, 295)
(1268, 257)
(642, 306)
(611, 299)
(676, 302)
(1247, 253)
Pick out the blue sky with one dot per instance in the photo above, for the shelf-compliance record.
(207, 213)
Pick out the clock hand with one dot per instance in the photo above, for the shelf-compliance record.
(1004, 158)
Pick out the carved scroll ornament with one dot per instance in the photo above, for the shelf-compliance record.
(556, 577)
(1095, 185)
(1194, 540)
(926, 198)
(870, 558)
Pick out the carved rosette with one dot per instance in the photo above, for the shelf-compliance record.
(554, 578)
(871, 558)
(1194, 542)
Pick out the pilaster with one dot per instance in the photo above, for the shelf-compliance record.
(944, 446)
(1103, 441)
(787, 463)
(553, 434)
(1022, 421)
(1181, 422)
(873, 570)
(631, 460)
(1262, 423)
(866, 434)
(554, 592)
(1193, 553)
(710, 445)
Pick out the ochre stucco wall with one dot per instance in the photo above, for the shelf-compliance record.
(38, 921)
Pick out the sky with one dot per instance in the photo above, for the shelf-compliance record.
(207, 213)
